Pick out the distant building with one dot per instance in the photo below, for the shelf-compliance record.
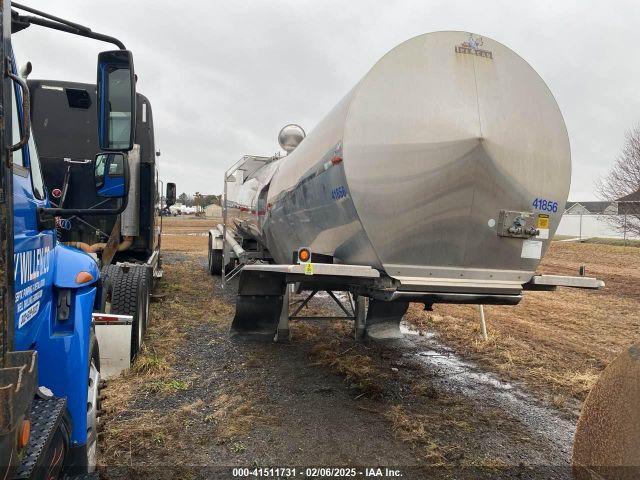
(591, 208)
(629, 204)
(213, 211)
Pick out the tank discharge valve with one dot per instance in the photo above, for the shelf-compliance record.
(517, 224)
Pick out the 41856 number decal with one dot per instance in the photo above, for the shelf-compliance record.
(545, 205)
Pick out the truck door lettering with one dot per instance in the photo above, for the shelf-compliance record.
(32, 264)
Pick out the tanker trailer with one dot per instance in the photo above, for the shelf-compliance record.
(441, 177)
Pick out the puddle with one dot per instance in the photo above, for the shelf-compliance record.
(451, 364)
(409, 330)
(455, 374)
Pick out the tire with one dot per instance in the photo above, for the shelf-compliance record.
(127, 293)
(229, 267)
(93, 402)
(215, 261)
(107, 275)
(142, 316)
(54, 458)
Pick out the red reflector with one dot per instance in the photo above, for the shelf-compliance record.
(336, 160)
(105, 318)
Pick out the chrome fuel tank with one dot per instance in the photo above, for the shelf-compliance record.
(424, 169)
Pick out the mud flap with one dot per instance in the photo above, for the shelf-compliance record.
(607, 440)
(383, 319)
(258, 306)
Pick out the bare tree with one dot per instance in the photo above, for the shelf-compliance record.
(622, 185)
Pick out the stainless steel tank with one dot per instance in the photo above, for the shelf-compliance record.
(430, 169)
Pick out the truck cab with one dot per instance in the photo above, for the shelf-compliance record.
(55, 287)
(49, 363)
(64, 118)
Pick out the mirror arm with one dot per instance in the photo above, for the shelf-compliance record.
(68, 27)
(83, 211)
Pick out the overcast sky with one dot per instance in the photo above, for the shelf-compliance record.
(224, 76)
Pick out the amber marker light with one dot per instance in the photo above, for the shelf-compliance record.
(24, 434)
(304, 255)
(83, 277)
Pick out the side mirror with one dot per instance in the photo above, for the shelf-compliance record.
(170, 197)
(116, 101)
(111, 175)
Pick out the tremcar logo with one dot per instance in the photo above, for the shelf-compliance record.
(473, 46)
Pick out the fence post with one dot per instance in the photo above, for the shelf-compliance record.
(580, 233)
(483, 324)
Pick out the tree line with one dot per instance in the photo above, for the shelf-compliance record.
(190, 200)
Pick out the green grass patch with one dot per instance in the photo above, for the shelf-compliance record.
(616, 242)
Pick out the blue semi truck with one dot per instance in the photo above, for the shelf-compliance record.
(49, 358)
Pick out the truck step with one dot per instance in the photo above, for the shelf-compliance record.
(46, 415)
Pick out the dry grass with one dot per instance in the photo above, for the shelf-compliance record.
(614, 241)
(172, 224)
(185, 234)
(425, 418)
(182, 307)
(191, 243)
(125, 438)
(423, 430)
(335, 348)
(557, 342)
(234, 414)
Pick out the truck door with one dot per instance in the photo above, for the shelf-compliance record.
(33, 244)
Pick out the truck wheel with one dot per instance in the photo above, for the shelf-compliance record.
(130, 296)
(107, 275)
(147, 279)
(229, 267)
(215, 261)
(139, 318)
(93, 402)
(54, 458)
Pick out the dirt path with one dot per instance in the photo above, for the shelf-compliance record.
(196, 404)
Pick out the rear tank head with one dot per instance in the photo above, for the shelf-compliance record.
(290, 137)
(454, 173)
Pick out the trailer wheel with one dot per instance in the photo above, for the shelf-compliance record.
(215, 261)
(93, 402)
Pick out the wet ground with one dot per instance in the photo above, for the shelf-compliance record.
(321, 400)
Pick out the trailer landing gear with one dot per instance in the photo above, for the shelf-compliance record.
(383, 320)
(262, 310)
(258, 306)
